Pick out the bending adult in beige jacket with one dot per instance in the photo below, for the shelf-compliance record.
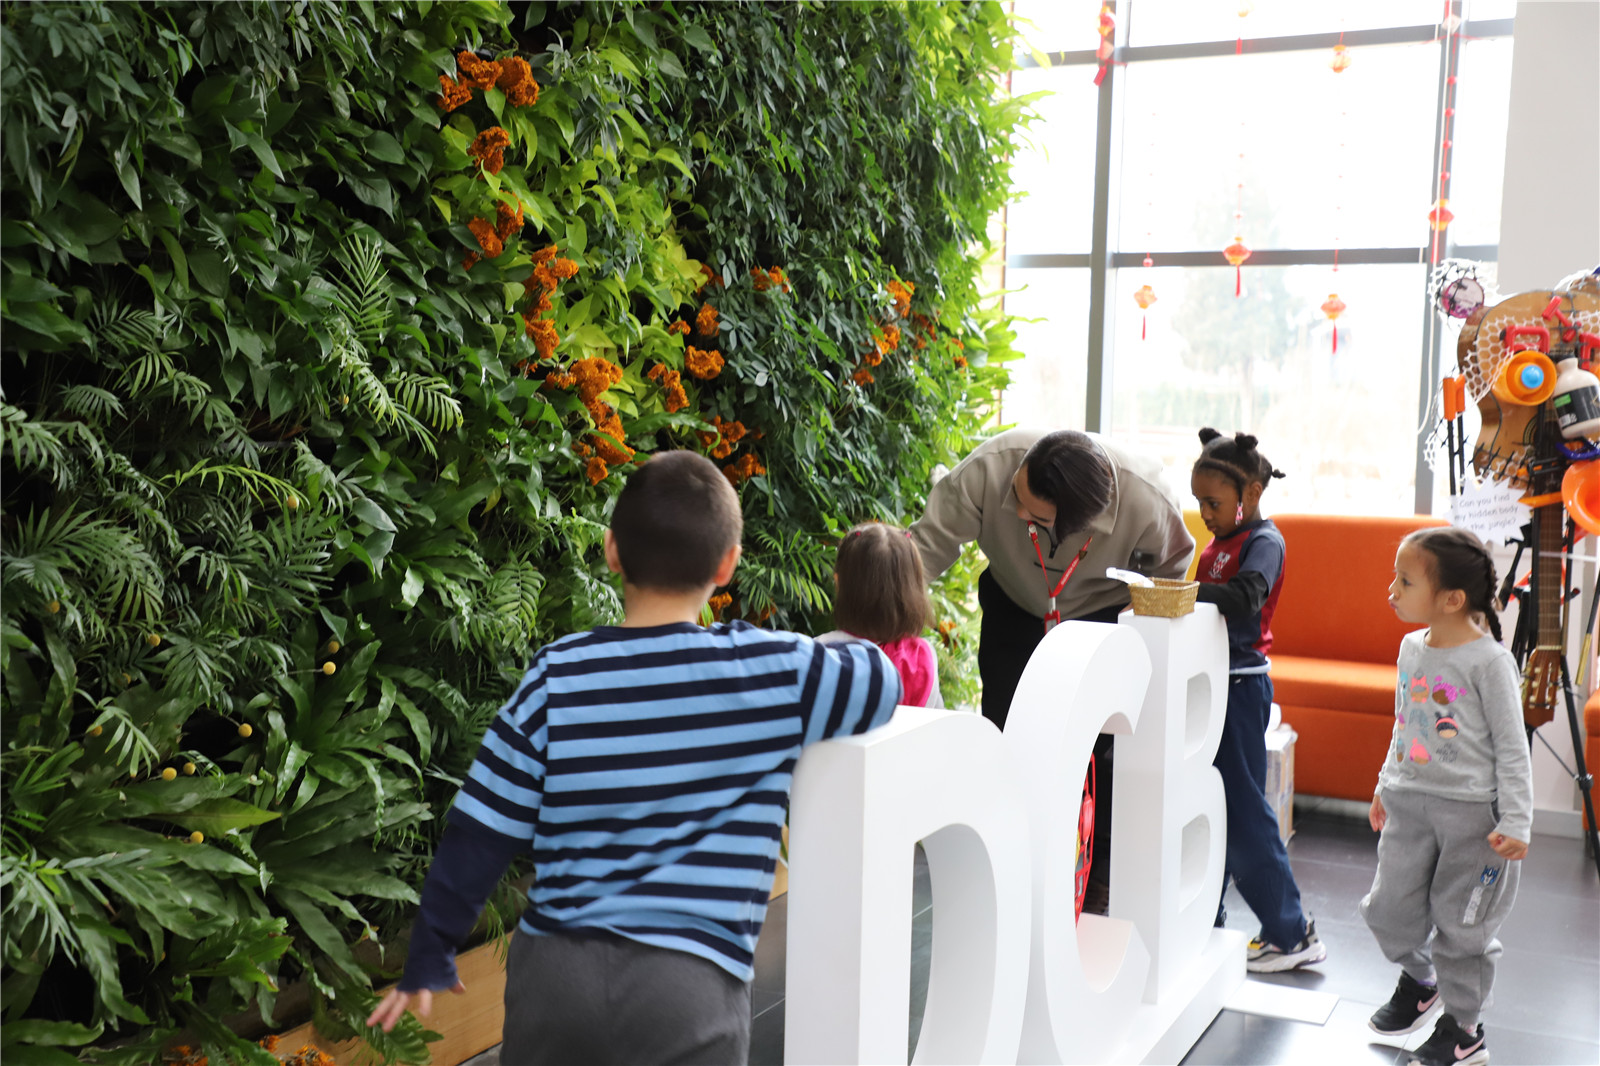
(1074, 489)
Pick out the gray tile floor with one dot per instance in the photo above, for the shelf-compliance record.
(1547, 994)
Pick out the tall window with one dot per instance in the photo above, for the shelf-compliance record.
(1212, 126)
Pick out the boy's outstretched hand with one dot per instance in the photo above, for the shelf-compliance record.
(393, 1006)
(1508, 847)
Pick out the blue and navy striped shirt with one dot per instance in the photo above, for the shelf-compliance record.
(649, 771)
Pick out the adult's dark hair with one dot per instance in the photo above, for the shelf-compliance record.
(882, 594)
(1235, 458)
(1068, 469)
(674, 521)
(1457, 559)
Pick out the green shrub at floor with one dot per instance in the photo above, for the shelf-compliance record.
(330, 333)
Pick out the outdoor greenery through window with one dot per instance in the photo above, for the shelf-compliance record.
(1273, 146)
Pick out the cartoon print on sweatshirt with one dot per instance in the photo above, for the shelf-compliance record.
(1419, 688)
(1419, 754)
(1445, 693)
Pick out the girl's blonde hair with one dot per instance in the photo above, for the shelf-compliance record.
(882, 594)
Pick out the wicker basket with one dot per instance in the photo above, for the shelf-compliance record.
(1169, 599)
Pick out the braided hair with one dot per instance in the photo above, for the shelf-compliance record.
(1235, 458)
(1459, 560)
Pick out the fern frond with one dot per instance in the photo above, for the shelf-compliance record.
(429, 398)
(362, 296)
(130, 748)
(91, 402)
(125, 329)
(150, 369)
(261, 486)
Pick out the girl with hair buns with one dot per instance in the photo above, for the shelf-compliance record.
(1241, 571)
(1454, 800)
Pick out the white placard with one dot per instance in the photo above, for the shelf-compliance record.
(1491, 510)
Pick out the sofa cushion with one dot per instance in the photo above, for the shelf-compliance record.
(1337, 753)
(1334, 684)
(1334, 603)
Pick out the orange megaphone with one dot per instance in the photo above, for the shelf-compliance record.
(1580, 492)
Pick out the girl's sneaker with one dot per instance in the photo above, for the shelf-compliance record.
(1451, 1045)
(1263, 957)
(1407, 1009)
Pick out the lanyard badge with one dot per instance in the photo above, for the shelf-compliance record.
(1053, 619)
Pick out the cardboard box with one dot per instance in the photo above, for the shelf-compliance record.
(1280, 778)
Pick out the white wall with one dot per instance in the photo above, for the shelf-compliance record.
(1550, 211)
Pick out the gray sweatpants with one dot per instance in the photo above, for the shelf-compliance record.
(594, 997)
(1440, 895)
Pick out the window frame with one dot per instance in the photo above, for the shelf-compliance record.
(1103, 261)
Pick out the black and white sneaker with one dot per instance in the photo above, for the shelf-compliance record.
(1263, 957)
(1451, 1045)
(1407, 1009)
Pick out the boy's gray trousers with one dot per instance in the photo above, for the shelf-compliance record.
(593, 997)
(1438, 878)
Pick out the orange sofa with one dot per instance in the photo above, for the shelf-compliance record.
(1335, 641)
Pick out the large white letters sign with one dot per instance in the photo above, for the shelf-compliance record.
(1012, 978)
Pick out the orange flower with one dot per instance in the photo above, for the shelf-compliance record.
(762, 282)
(544, 255)
(489, 148)
(596, 470)
(516, 81)
(961, 362)
(871, 357)
(779, 278)
(560, 379)
(706, 321)
(900, 294)
(745, 467)
(508, 219)
(710, 278)
(476, 73)
(270, 1042)
(484, 230)
(563, 269)
(922, 342)
(889, 339)
(863, 377)
(704, 365)
(672, 386)
(451, 95)
(469, 261)
(957, 342)
(678, 327)
(720, 602)
(545, 337)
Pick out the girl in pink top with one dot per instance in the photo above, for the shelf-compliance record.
(882, 597)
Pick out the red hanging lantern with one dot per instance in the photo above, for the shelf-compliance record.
(1144, 297)
(1102, 52)
(1333, 307)
(1236, 253)
(1441, 215)
(1341, 59)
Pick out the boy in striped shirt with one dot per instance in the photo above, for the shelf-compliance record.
(647, 767)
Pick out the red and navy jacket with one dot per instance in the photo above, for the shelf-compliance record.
(1242, 574)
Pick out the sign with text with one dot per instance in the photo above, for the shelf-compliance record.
(1490, 510)
(1012, 977)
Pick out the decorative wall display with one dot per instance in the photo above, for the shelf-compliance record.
(331, 332)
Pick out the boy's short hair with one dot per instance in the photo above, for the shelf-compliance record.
(674, 521)
(882, 594)
(1068, 469)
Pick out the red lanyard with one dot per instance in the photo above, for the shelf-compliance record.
(1053, 619)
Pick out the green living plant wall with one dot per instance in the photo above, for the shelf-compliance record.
(330, 334)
